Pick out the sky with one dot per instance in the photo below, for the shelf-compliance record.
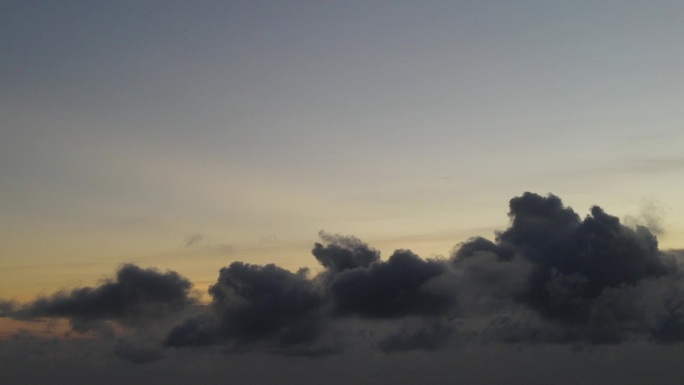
(420, 179)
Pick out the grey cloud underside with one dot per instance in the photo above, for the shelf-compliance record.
(133, 297)
(137, 353)
(7, 308)
(550, 277)
(252, 304)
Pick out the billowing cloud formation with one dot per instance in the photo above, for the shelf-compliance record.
(253, 303)
(7, 307)
(588, 277)
(135, 295)
(550, 277)
(389, 289)
(343, 253)
(290, 312)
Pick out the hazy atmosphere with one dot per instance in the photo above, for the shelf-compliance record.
(372, 192)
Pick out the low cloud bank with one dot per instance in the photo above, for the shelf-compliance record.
(551, 277)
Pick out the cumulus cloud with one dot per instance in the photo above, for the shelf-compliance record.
(252, 304)
(291, 312)
(586, 276)
(135, 295)
(651, 215)
(343, 252)
(387, 289)
(551, 277)
(7, 308)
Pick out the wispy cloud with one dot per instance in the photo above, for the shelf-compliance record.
(192, 240)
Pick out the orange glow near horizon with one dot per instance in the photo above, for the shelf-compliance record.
(58, 328)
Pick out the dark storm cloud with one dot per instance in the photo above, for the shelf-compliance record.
(292, 313)
(7, 308)
(358, 283)
(551, 277)
(252, 304)
(482, 245)
(343, 253)
(137, 354)
(593, 279)
(199, 330)
(394, 288)
(430, 335)
(576, 259)
(135, 295)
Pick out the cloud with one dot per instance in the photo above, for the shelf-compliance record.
(192, 240)
(7, 308)
(253, 304)
(385, 289)
(651, 216)
(551, 277)
(587, 277)
(133, 296)
(295, 314)
(226, 248)
(343, 252)
(137, 354)
(428, 336)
